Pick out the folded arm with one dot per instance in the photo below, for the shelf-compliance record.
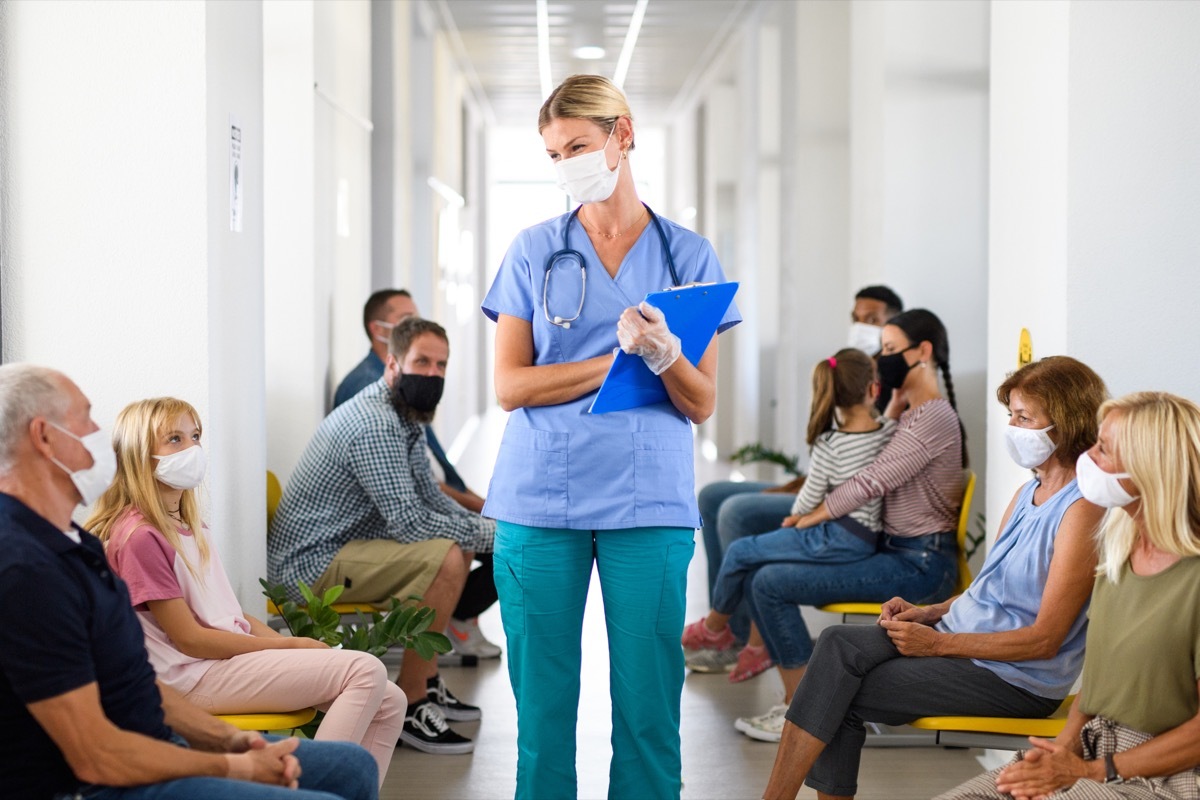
(520, 384)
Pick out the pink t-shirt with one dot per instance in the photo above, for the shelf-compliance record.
(144, 559)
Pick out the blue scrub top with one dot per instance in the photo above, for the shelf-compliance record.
(559, 466)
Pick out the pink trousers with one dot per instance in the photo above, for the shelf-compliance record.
(361, 705)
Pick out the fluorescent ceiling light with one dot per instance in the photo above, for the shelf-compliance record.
(588, 52)
(543, 30)
(631, 37)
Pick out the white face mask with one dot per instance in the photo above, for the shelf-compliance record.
(93, 481)
(1028, 447)
(587, 177)
(1100, 487)
(865, 337)
(182, 470)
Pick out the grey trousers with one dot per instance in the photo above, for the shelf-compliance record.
(857, 675)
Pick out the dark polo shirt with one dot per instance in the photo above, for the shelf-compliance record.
(65, 622)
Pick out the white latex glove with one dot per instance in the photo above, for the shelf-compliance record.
(643, 331)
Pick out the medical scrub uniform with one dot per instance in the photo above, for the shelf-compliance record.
(570, 488)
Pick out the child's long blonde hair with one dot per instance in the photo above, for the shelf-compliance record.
(137, 430)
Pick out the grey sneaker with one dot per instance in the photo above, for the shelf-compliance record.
(766, 727)
(709, 660)
(468, 640)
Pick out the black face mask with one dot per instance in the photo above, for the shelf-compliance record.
(893, 369)
(418, 394)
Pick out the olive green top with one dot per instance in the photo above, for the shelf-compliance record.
(1143, 648)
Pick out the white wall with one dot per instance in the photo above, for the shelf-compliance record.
(1133, 178)
(119, 266)
(1027, 281)
(1096, 189)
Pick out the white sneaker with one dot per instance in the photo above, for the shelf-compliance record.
(766, 727)
(468, 640)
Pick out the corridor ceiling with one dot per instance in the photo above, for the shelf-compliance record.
(677, 45)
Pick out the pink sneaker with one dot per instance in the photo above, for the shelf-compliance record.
(698, 637)
(751, 661)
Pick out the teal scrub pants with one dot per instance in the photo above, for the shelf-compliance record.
(542, 577)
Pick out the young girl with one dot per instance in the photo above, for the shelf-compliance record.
(845, 435)
(198, 638)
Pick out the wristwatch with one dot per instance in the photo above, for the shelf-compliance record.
(1110, 770)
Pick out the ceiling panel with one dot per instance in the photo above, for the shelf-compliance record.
(677, 39)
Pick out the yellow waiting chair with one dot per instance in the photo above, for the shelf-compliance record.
(274, 495)
(964, 570)
(1000, 733)
(284, 721)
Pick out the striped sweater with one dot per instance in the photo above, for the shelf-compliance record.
(919, 474)
(838, 456)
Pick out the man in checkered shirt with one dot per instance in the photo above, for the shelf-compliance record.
(363, 511)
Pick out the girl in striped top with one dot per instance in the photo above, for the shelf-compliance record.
(845, 436)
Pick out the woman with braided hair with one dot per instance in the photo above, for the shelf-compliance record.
(919, 474)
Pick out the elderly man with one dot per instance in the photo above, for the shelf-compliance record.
(362, 510)
(83, 713)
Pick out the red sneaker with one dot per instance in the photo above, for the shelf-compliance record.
(751, 661)
(698, 637)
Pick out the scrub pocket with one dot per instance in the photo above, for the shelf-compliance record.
(672, 606)
(663, 480)
(534, 466)
(506, 571)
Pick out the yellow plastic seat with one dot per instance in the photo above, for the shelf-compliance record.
(283, 721)
(1003, 733)
(964, 569)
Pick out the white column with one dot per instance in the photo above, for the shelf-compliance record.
(1027, 281)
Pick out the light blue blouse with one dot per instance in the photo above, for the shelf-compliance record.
(559, 466)
(1007, 594)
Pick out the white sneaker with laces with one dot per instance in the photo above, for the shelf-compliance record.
(468, 640)
(766, 727)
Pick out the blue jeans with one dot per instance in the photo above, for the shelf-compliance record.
(827, 543)
(328, 771)
(542, 575)
(729, 511)
(921, 569)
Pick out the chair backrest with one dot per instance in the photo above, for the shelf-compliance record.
(275, 492)
(964, 519)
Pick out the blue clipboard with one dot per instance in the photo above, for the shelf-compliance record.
(693, 314)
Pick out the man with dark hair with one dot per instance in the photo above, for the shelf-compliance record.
(381, 312)
(83, 713)
(873, 307)
(363, 511)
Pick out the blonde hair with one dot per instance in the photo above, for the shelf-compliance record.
(135, 433)
(591, 97)
(1158, 445)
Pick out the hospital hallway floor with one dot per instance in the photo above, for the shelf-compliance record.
(718, 761)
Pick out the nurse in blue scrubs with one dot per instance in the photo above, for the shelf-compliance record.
(571, 488)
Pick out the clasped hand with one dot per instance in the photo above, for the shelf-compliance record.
(908, 627)
(255, 759)
(643, 331)
(1045, 768)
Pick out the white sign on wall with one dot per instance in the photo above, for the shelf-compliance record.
(235, 174)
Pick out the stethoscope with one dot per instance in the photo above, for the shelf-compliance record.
(567, 254)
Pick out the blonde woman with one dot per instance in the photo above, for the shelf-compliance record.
(573, 490)
(1134, 730)
(199, 640)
